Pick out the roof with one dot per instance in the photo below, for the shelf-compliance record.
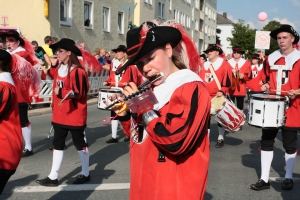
(221, 19)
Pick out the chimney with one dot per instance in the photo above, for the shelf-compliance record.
(225, 15)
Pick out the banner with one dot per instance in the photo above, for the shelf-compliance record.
(262, 40)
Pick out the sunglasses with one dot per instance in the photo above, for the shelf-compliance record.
(236, 52)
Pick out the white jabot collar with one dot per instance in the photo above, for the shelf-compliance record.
(289, 59)
(259, 67)
(164, 91)
(63, 70)
(216, 65)
(240, 63)
(16, 50)
(6, 77)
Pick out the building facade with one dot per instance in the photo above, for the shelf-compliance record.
(210, 22)
(226, 26)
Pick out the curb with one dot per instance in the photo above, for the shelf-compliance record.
(47, 110)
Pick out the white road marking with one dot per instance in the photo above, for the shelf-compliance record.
(83, 187)
(281, 179)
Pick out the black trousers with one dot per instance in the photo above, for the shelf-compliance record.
(60, 135)
(239, 101)
(289, 140)
(23, 110)
(3, 180)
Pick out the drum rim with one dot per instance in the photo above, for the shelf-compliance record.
(257, 97)
(110, 90)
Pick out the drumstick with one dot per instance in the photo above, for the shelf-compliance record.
(284, 91)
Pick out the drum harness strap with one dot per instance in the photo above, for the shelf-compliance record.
(215, 76)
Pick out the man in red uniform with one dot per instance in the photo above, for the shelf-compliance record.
(283, 80)
(15, 45)
(10, 127)
(223, 73)
(241, 73)
(131, 74)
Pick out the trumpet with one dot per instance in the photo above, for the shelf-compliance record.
(141, 88)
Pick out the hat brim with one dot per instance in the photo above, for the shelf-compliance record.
(156, 37)
(209, 50)
(5, 35)
(274, 34)
(66, 46)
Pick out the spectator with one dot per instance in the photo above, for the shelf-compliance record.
(48, 42)
(87, 22)
(54, 40)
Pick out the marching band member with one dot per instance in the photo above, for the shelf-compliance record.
(255, 83)
(166, 152)
(223, 73)
(241, 70)
(16, 45)
(69, 107)
(10, 126)
(283, 80)
(131, 74)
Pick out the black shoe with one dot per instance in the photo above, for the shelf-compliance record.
(112, 140)
(126, 139)
(220, 144)
(48, 182)
(260, 185)
(27, 153)
(82, 179)
(287, 184)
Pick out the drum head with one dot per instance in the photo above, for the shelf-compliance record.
(110, 90)
(217, 102)
(268, 97)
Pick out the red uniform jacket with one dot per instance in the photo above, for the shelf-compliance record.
(257, 77)
(223, 72)
(244, 67)
(290, 80)
(181, 133)
(10, 127)
(72, 112)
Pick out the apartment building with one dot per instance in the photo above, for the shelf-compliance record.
(210, 22)
(226, 26)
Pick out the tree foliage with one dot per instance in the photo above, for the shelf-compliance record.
(243, 36)
(272, 25)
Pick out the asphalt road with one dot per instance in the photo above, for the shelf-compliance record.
(232, 168)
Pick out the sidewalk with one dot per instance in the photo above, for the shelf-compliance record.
(47, 110)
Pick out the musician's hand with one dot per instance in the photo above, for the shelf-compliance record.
(53, 60)
(260, 83)
(234, 71)
(56, 91)
(130, 89)
(107, 67)
(265, 87)
(292, 94)
(241, 75)
(219, 94)
(105, 83)
(120, 108)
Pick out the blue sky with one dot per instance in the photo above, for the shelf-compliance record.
(284, 11)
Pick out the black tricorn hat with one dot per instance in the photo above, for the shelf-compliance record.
(138, 45)
(122, 48)
(213, 47)
(67, 44)
(14, 34)
(5, 56)
(238, 49)
(255, 56)
(285, 28)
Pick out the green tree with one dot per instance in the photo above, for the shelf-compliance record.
(243, 36)
(272, 25)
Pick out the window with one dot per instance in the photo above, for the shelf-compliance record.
(148, 2)
(120, 22)
(161, 10)
(197, 4)
(106, 19)
(88, 14)
(205, 29)
(170, 4)
(196, 25)
(193, 13)
(206, 10)
(65, 12)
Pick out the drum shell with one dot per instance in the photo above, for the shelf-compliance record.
(266, 111)
(106, 96)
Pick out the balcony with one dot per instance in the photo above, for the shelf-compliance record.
(201, 15)
(201, 35)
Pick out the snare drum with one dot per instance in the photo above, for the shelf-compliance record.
(267, 111)
(107, 96)
(227, 114)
